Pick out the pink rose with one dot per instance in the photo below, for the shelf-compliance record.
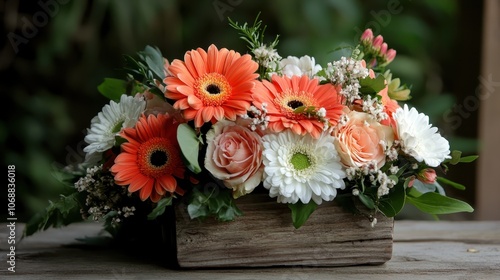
(234, 155)
(361, 140)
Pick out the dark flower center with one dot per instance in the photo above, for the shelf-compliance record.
(213, 89)
(158, 158)
(294, 104)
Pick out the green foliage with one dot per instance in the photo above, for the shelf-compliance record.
(64, 211)
(372, 86)
(113, 88)
(366, 200)
(253, 35)
(456, 157)
(434, 203)
(160, 208)
(148, 68)
(394, 202)
(217, 203)
(190, 147)
(301, 212)
(451, 183)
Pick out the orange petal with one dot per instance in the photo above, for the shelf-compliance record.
(194, 102)
(207, 113)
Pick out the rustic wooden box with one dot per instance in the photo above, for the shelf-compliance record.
(265, 236)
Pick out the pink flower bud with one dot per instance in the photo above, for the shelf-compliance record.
(377, 42)
(390, 55)
(427, 176)
(383, 49)
(367, 35)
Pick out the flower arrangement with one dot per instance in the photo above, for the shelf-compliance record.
(217, 125)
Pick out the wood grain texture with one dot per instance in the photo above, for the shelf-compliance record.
(265, 236)
(422, 250)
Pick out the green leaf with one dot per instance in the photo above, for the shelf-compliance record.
(468, 159)
(434, 203)
(451, 183)
(372, 86)
(366, 200)
(299, 110)
(347, 202)
(455, 157)
(113, 88)
(301, 212)
(160, 208)
(394, 202)
(423, 187)
(64, 211)
(188, 141)
(154, 60)
(214, 202)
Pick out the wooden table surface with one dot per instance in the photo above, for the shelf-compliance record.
(422, 250)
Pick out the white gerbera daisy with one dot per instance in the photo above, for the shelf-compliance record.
(301, 167)
(420, 139)
(110, 121)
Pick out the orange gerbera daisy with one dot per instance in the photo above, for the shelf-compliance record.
(284, 95)
(211, 86)
(150, 159)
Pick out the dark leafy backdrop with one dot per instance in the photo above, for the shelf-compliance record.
(51, 69)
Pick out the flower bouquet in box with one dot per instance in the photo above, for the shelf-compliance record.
(203, 132)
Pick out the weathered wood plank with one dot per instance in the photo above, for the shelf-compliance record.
(62, 257)
(460, 231)
(265, 236)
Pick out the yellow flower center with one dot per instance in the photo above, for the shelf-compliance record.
(212, 88)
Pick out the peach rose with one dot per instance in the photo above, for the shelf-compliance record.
(358, 142)
(234, 155)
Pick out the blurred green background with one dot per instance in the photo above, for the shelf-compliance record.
(54, 55)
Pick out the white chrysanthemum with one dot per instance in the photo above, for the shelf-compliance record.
(110, 121)
(301, 167)
(420, 139)
(305, 65)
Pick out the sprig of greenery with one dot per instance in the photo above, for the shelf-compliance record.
(64, 211)
(217, 203)
(143, 73)
(253, 35)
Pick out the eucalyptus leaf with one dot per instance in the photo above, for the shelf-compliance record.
(189, 144)
(434, 203)
(154, 60)
(425, 188)
(301, 212)
(112, 88)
